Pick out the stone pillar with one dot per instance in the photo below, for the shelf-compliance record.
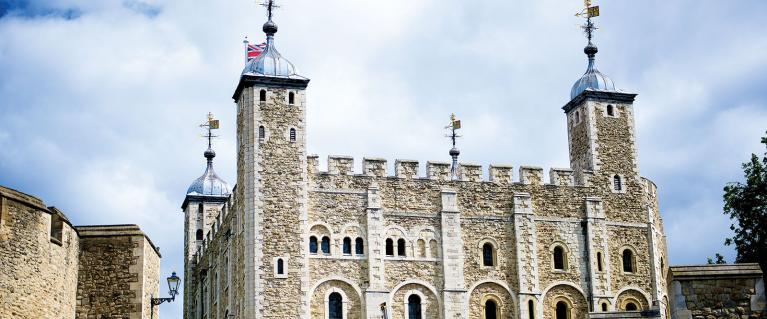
(596, 243)
(527, 258)
(453, 258)
(376, 293)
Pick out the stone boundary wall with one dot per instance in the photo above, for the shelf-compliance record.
(38, 259)
(717, 291)
(119, 272)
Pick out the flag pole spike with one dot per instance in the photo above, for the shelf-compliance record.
(245, 44)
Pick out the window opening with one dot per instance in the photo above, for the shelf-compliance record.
(491, 310)
(347, 249)
(562, 311)
(610, 111)
(359, 246)
(617, 185)
(401, 247)
(599, 261)
(280, 267)
(414, 307)
(559, 258)
(628, 265)
(487, 254)
(291, 98)
(335, 306)
(389, 247)
(313, 245)
(292, 135)
(631, 306)
(325, 245)
(530, 309)
(262, 95)
(198, 235)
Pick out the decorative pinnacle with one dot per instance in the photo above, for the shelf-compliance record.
(454, 152)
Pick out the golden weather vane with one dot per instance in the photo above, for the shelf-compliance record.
(455, 124)
(588, 12)
(210, 125)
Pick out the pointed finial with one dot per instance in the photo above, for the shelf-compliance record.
(454, 125)
(270, 28)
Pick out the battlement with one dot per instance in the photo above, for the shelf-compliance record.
(435, 170)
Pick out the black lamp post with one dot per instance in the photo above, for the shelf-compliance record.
(173, 282)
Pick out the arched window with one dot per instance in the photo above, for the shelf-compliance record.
(487, 255)
(631, 306)
(325, 245)
(347, 246)
(280, 266)
(559, 258)
(198, 235)
(291, 98)
(628, 260)
(414, 307)
(401, 247)
(261, 132)
(312, 245)
(599, 261)
(292, 134)
(577, 117)
(562, 310)
(421, 248)
(604, 307)
(491, 309)
(433, 249)
(359, 246)
(610, 111)
(335, 306)
(530, 309)
(389, 247)
(262, 95)
(617, 184)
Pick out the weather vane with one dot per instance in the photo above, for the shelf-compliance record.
(454, 152)
(210, 125)
(588, 12)
(269, 5)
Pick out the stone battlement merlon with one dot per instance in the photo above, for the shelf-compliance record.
(343, 165)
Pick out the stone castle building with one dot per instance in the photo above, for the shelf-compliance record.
(50, 269)
(290, 241)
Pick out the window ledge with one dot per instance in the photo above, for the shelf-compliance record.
(56, 241)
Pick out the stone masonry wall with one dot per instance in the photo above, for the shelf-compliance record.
(718, 291)
(38, 273)
(118, 273)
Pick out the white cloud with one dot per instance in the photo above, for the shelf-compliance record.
(98, 113)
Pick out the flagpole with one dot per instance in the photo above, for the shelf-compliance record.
(245, 43)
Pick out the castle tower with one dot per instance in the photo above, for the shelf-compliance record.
(271, 182)
(205, 200)
(600, 127)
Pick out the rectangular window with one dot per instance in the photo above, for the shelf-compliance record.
(57, 228)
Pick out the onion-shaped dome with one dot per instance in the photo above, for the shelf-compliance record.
(209, 184)
(592, 79)
(270, 62)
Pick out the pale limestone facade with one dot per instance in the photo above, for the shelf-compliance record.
(285, 210)
(51, 269)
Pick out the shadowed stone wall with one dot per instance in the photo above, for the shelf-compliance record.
(717, 291)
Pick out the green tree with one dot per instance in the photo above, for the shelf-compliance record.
(719, 260)
(746, 203)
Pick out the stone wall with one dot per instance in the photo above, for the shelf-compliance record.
(51, 269)
(38, 271)
(717, 291)
(118, 274)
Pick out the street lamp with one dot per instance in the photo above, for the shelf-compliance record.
(173, 282)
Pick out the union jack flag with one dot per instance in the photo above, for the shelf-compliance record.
(254, 50)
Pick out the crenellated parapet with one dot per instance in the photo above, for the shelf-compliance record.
(407, 169)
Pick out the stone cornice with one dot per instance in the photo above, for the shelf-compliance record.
(606, 96)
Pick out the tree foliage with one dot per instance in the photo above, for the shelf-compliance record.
(746, 203)
(719, 260)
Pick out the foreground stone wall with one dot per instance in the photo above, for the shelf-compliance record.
(717, 291)
(119, 272)
(38, 262)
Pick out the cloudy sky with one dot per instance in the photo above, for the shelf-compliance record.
(100, 100)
